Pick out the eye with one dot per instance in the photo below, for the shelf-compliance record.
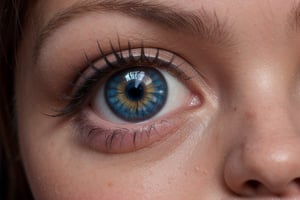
(134, 98)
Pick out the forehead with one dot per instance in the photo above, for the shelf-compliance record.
(256, 17)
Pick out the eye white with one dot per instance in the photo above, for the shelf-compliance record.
(178, 94)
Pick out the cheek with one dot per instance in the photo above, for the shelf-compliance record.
(58, 168)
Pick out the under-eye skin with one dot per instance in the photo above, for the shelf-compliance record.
(129, 99)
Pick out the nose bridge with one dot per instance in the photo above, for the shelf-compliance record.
(266, 160)
(265, 100)
(270, 134)
(268, 117)
(267, 125)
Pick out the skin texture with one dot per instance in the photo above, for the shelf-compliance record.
(241, 141)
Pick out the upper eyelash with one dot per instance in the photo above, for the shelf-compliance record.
(81, 94)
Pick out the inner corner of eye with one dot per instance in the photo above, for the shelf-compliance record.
(182, 95)
(196, 101)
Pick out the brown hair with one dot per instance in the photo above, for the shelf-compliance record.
(13, 184)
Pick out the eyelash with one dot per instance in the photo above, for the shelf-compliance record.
(80, 95)
(107, 139)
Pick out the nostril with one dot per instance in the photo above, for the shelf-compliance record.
(297, 181)
(254, 187)
(253, 184)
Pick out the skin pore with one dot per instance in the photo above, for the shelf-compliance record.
(229, 128)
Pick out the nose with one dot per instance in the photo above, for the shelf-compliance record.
(266, 160)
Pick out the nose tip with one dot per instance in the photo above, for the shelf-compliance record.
(264, 169)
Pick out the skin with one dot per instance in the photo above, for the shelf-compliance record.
(241, 141)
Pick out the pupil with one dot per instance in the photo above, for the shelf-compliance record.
(133, 92)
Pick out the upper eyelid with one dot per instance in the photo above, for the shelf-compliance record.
(83, 84)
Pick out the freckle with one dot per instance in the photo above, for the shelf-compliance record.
(170, 180)
(110, 184)
(235, 109)
(250, 115)
(186, 173)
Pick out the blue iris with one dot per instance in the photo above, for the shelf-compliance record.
(136, 94)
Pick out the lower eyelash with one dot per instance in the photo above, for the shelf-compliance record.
(116, 140)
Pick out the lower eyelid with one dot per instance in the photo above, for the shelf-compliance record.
(104, 137)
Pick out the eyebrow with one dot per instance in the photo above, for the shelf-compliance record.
(200, 23)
